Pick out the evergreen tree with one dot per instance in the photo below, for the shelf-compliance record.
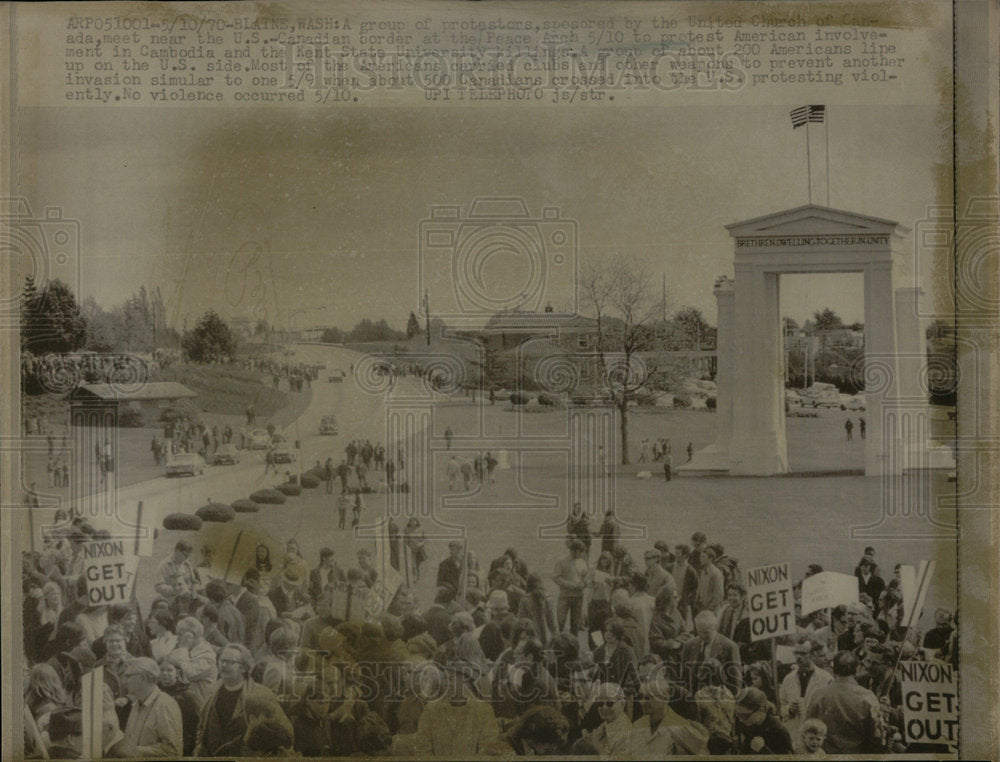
(210, 340)
(412, 326)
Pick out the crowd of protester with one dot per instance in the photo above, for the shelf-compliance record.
(637, 659)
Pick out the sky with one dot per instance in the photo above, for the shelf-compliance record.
(313, 217)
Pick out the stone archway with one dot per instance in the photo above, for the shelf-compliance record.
(750, 412)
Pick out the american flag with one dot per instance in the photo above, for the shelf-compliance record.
(805, 114)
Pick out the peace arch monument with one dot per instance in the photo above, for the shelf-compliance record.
(750, 403)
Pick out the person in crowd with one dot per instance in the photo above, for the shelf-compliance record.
(612, 738)
(602, 581)
(463, 647)
(572, 576)
(615, 660)
(661, 732)
(195, 657)
(66, 734)
(667, 630)
(178, 564)
(44, 694)
(716, 706)
(289, 600)
(686, 579)
(709, 644)
(937, 637)
(414, 541)
(758, 727)
(184, 602)
(608, 532)
(262, 559)
(642, 604)
(812, 737)
(711, 583)
(657, 577)
(163, 638)
(325, 576)
(457, 725)
(869, 582)
(115, 660)
(540, 731)
(450, 569)
(492, 637)
(154, 727)
(438, 616)
(228, 618)
(536, 606)
(171, 681)
(800, 686)
(760, 675)
(223, 724)
(852, 714)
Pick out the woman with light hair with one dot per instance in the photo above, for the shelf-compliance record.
(196, 657)
(44, 694)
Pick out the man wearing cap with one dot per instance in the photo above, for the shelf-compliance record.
(288, 599)
(324, 576)
(179, 564)
(450, 570)
(154, 727)
(799, 688)
(66, 734)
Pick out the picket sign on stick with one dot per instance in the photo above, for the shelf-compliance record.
(827, 590)
(915, 586)
(930, 702)
(92, 708)
(772, 605)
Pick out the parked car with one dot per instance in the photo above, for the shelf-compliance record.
(226, 455)
(259, 439)
(186, 463)
(792, 398)
(284, 455)
(821, 395)
(849, 402)
(328, 425)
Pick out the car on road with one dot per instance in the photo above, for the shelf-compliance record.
(186, 463)
(259, 439)
(226, 455)
(284, 455)
(792, 398)
(852, 402)
(328, 425)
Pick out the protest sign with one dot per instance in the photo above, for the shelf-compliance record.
(109, 567)
(930, 702)
(347, 601)
(914, 583)
(828, 589)
(772, 606)
(236, 547)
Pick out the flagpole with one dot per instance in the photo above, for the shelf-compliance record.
(826, 133)
(808, 163)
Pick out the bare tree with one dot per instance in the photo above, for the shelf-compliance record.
(622, 296)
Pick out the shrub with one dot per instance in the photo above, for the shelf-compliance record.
(289, 489)
(216, 512)
(519, 398)
(548, 400)
(710, 403)
(318, 471)
(245, 506)
(180, 409)
(309, 481)
(131, 418)
(682, 403)
(645, 399)
(268, 497)
(183, 521)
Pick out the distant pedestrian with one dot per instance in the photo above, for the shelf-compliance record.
(452, 469)
(269, 462)
(690, 450)
(448, 436)
(668, 460)
(466, 469)
(644, 451)
(849, 428)
(861, 426)
(491, 467)
(342, 511)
